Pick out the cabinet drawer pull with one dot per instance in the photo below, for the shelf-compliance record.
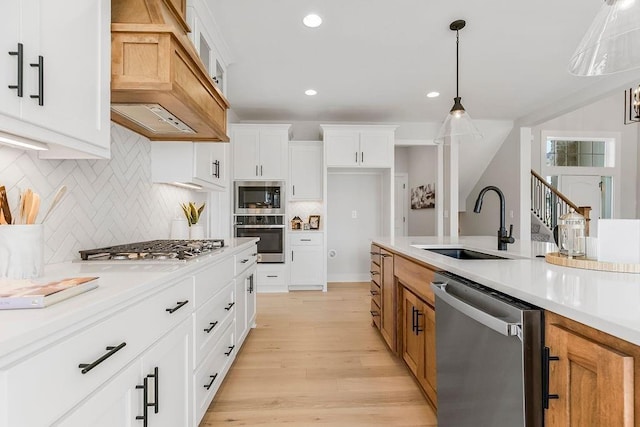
(216, 169)
(373, 293)
(86, 367)
(294, 189)
(177, 307)
(356, 157)
(547, 358)
(213, 325)
(374, 313)
(385, 255)
(156, 381)
(20, 54)
(213, 378)
(418, 329)
(373, 273)
(250, 278)
(145, 406)
(305, 240)
(272, 276)
(362, 157)
(374, 253)
(228, 307)
(228, 353)
(256, 170)
(40, 66)
(244, 261)
(260, 170)
(254, 254)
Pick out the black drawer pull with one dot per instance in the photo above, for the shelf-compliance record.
(384, 255)
(213, 378)
(213, 325)
(305, 240)
(86, 367)
(156, 379)
(20, 54)
(228, 307)
(244, 261)
(418, 329)
(228, 353)
(272, 275)
(40, 66)
(374, 313)
(254, 254)
(145, 405)
(545, 377)
(177, 307)
(373, 293)
(374, 253)
(373, 273)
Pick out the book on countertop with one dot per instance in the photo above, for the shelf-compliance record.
(16, 294)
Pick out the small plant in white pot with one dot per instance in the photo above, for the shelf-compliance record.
(192, 213)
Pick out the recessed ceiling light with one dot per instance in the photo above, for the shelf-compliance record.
(433, 94)
(312, 20)
(310, 92)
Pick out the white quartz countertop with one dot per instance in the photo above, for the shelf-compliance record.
(119, 284)
(606, 301)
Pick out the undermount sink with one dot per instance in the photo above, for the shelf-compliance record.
(459, 253)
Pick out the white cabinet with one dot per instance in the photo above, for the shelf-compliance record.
(272, 278)
(260, 151)
(201, 163)
(245, 283)
(61, 70)
(358, 146)
(307, 260)
(305, 170)
(206, 39)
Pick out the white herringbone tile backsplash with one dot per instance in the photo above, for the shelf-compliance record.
(107, 202)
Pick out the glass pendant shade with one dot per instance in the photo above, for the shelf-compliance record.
(612, 43)
(457, 124)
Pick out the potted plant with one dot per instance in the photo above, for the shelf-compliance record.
(192, 213)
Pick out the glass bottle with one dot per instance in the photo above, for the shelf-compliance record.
(571, 234)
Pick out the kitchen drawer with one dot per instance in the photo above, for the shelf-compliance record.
(375, 313)
(375, 254)
(272, 278)
(211, 280)
(211, 319)
(245, 259)
(306, 238)
(375, 273)
(416, 277)
(35, 384)
(209, 376)
(375, 292)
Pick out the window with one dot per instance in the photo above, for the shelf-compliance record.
(577, 153)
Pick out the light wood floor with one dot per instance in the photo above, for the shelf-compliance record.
(314, 359)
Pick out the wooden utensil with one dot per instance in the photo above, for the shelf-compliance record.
(4, 204)
(34, 208)
(3, 221)
(26, 206)
(56, 199)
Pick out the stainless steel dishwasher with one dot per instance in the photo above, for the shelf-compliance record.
(489, 356)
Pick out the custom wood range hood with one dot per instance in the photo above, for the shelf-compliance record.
(159, 86)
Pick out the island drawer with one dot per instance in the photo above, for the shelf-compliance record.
(211, 280)
(375, 293)
(246, 259)
(415, 276)
(375, 313)
(375, 273)
(211, 319)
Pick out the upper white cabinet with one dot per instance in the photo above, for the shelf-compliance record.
(208, 42)
(55, 75)
(200, 163)
(305, 170)
(260, 151)
(358, 146)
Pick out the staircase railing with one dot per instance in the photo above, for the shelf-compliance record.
(549, 204)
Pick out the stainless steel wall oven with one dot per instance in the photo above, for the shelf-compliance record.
(271, 231)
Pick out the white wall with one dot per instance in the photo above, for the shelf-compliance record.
(350, 237)
(107, 202)
(422, 171)
(401, 159)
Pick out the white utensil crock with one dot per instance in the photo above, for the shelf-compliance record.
(21, 251)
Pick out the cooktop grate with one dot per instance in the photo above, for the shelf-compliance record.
(154, 250)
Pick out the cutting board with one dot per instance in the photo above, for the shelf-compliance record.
(590, 264)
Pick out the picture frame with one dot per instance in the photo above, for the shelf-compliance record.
(314, 222)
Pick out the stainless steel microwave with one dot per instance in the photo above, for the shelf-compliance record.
(259, 198)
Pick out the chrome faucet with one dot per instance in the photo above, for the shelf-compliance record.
(503, 238)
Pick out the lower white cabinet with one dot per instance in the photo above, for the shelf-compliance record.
(272, 278)
(246, 308)
(307, 260)
(153, 391)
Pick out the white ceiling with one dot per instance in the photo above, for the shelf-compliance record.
(375, 60)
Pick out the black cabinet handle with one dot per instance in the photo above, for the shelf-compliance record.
(374, 313)
(215, 80)
(373, 273)
(294, 189)
(244, 261)
(545, 377)
(413, 320)
(145, 405)
(260, 170)
(375, 253)
(177, 307)
(20, 54)
(156, 388)
(384, 255)
(213, 325)
(254, 254)
(40, 66)
(272, 275)
(216, 169)
(305, 240)
(86, 367)
(418, 329)
(228, 353)
(250, 284)
(256, 170)
(356, 157)
(213, 378)
(362, 157)
(228, 307)
(374, 293)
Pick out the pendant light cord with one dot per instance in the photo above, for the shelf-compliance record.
(457, 62)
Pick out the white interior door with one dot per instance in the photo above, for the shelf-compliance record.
(583, 190)
(401, 220)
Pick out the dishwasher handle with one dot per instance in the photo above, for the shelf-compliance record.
(505, 328)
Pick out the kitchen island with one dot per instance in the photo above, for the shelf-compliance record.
(591, 332)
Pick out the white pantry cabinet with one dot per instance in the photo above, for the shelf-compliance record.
(54, 84)
(307, 260)
(358, 146)
(201, 163)
(305, 170)
(260, 152)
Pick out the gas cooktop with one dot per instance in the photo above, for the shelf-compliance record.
(154, 250)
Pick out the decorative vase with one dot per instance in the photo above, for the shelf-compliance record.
(196, 232)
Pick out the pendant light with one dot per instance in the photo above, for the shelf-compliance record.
(612, 43)
(457, 122)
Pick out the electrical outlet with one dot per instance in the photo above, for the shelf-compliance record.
(354, 214)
